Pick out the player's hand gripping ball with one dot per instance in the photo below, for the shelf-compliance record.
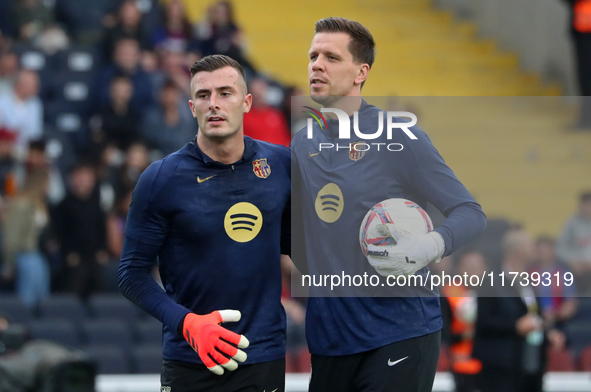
(217, 347)
(396, 237)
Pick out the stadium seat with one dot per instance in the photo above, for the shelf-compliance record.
(32, 58)
(57, 330)
(109, 358)
(60, 148)
(74, 90)
(586, 359)
(113, 306)
(578, 336)
(151, 13)
(149, 331)
(560, 361)
(107, 331)
(78, 59)
(14, 309)
(64, 306)
(6, 26)
(83, 19)
(67, 117)
(583, 309)
(147, 359)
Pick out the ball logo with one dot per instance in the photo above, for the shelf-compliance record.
(243, 222)
(329, 203)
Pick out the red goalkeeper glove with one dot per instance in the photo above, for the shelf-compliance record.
(215, 344)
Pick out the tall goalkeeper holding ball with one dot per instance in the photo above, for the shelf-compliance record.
(216, 215)
(365, 343)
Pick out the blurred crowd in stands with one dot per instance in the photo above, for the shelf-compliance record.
(505, 337)
(92, 92)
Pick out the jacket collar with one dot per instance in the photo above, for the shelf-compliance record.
(250, 150)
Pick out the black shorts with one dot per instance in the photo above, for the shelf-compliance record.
(259, 377)
(406, 366)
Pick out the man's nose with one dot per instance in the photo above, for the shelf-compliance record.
(318, 65)
(213, 103)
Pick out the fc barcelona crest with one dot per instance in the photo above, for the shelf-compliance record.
(357, 150)
(261, 168)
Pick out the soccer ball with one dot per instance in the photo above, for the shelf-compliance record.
(403, 213)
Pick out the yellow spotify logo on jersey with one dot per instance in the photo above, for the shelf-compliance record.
(243, 222)
(329, 203)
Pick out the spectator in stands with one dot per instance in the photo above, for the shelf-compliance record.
(176, 68)
(5, 41)
(116, 222)
(126, 61)
(295, 313)
(462, 317)
(115, 232)
(581, 34)
(558, 301)
(265, 122)
(176, 32)
(35, 24)
(220, 34)
(126, 175)
(8, 71)
(510, 340)
(119, 119)
(166, 126)
(21, 109)
(8, 178)
(80, 224)
(31, 18)
(128, 25)
(24, 221)
(297, 120)
(151, 65)
(37, 159)
(574, 244)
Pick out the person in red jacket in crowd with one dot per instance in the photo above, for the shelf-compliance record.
(265, 122)
(462, 304)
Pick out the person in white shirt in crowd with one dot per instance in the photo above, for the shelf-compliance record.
(574, 244)
(21, 110)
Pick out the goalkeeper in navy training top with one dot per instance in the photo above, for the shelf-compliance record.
(369, 343)
(216, 215)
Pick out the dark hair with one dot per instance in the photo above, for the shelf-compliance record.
(120, 77)
(37, 144)
(83, 165)
(215, 62)
(585, 197)
(362, 46)
(169, 84)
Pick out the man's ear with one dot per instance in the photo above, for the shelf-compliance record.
(362, 74)
(192, 108)
(247, 103)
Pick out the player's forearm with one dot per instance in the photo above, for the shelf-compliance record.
(137, 285)
(464, 223)
(140, 288)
